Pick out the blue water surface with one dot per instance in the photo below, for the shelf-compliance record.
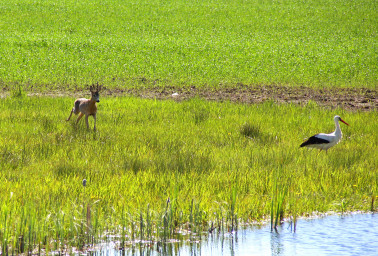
(352, 234)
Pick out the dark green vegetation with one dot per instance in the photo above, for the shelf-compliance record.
(154, 167)
(64, 44)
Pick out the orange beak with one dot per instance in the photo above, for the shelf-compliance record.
(344, 122)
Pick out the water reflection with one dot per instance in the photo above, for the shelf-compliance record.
(355, 234)
(276, 246)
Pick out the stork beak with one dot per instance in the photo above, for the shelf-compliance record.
(344, 122)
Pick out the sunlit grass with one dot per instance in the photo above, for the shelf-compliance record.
(157, 166)
(70, 43)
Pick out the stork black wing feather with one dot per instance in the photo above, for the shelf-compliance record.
(314, 140)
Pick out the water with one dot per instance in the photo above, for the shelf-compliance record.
(354, 234)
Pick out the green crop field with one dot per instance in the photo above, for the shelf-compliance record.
(219, 163)
(153, 167)
(66, 44)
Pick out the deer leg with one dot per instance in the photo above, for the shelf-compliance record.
(70, 115)
(86, 121)
(94, 117)
(80, 116)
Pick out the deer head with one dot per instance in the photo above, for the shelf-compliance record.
(95, 92)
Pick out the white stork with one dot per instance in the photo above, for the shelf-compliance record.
(324, 141)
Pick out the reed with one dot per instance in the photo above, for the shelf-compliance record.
(372, 208)
(279, 196)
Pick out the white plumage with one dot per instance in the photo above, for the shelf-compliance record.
(324, 141)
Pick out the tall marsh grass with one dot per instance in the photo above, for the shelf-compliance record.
(154, 170)
(66, 44)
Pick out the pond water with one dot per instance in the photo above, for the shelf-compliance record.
(352, 234)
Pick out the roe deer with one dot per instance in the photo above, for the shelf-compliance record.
(87, 107)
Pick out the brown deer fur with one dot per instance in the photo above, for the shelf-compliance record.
(87, 107)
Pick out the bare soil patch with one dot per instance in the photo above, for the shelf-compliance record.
(346, 98)
(355, 99)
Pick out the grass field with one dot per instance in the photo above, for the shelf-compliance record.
(156, 167)
(217, 163)
(66, 44)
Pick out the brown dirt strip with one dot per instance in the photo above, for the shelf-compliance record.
(347, 98)
(354, 99)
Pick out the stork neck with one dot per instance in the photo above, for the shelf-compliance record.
(338, 130)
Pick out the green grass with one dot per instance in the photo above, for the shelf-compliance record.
(155, 167)
(219, 164)
(66, 44)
